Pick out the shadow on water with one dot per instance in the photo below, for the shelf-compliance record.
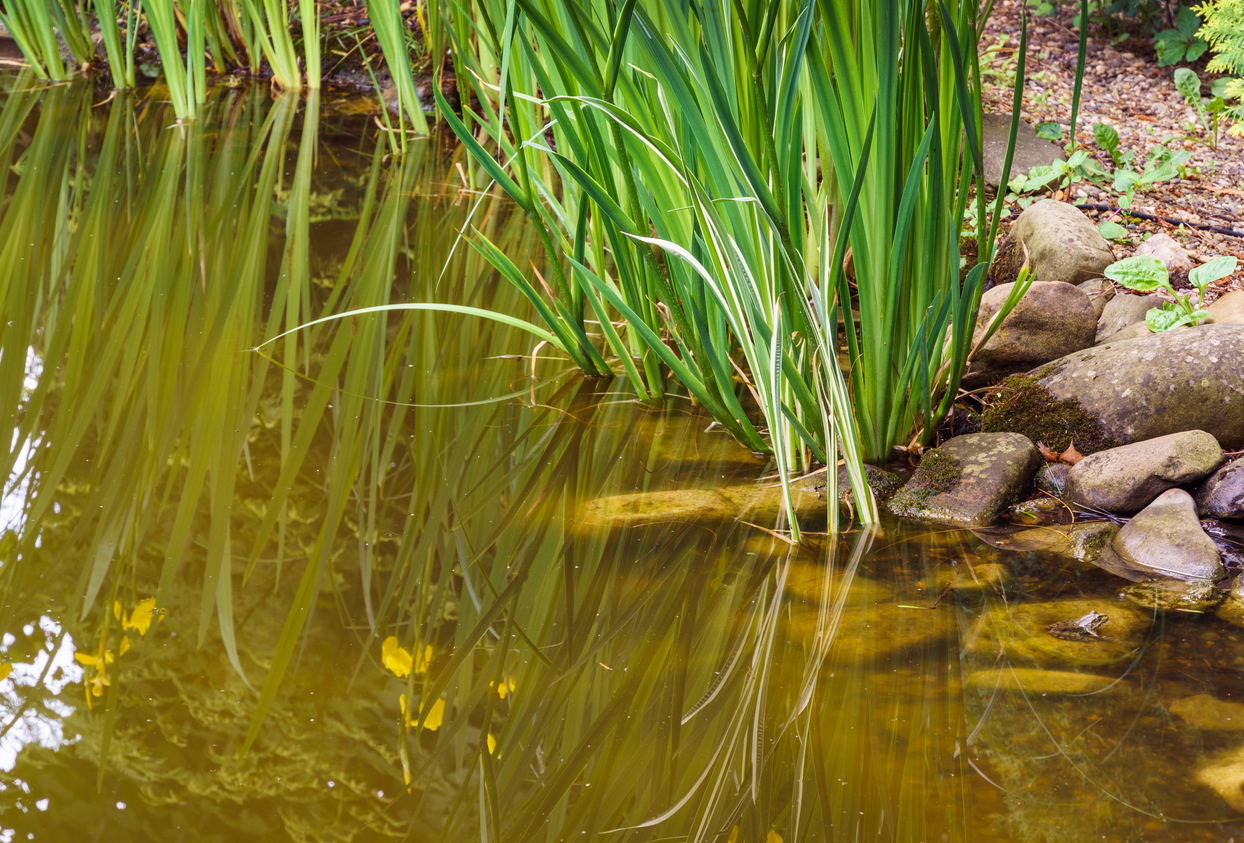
(243, 599)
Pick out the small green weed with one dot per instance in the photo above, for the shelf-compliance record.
(1145, 273)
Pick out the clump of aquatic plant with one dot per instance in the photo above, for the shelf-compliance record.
(741, 188)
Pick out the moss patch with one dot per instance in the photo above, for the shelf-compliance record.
(938, 472)
(1024, 406)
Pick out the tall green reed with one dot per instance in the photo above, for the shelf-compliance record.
(234, 32)
(712, 170)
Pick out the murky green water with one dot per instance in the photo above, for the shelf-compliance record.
(568, 680)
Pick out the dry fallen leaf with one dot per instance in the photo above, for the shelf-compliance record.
(1071, 456)
(1049, 453)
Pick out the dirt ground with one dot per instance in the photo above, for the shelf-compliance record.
(1125, 88)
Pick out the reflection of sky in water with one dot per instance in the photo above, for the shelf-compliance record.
(17, 486)
(41, 714)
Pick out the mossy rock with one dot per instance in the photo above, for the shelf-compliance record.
(969, 481)
(1022, 405)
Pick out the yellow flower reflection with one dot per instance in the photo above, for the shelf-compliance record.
(399, 660)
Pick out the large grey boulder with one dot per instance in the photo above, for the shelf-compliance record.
(1052, 320)
(1130, 477)
(1030, 150)
(1123, 311)
(970, 480)
(1187, 379)
(1062, 243)
(1166, 540)
(1222, 495)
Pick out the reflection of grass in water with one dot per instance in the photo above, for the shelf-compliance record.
(299, 525)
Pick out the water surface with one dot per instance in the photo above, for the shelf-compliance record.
(206, 547)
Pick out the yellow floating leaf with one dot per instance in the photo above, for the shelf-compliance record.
(436, 716)
(734, 835)
(125, 644)
(492, 744)
(396, 658)
(506, 687)
(5, 670)
(773, 837)
(85, 658)
(116, 609)
(140, 619)
(422, 665)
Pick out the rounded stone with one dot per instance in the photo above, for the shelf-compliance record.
(1062, 244)
(1052, 320)
(1128, 478)
(1229, 307)
(1166, 540)
(1123, 311)
(1052, 478)
(1222, 495)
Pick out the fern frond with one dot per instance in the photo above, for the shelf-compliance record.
(1223, 29)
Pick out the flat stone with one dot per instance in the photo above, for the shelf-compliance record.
(1030, 150)
(1052, 320)
(1209, 714)
(1228, 307)
(1130, 477)
(1226, 776)
(1021, 630)
(1166, 540)
(970, 480)
(1176, 595)
(1082, 543)
(1100, 292)
(1187, 379)
(1168, 250)
(1063, 245)
(1222, 495)
(760, 503)
(1123, 311)
(1042, 682)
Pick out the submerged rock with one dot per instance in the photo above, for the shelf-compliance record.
(1023, 631)
(1222, 495)
(1082, 543)
(1226, 776)
(760, 503)
(1128, 478)
(1062, 243)
(1123, 311)
(1041, 682)
(1210, 714)
(1199, 596)
(1187, 379)
(1166, 540)
(1052, 320)
(968, 481)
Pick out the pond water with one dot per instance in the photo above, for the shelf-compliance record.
(225, 571)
